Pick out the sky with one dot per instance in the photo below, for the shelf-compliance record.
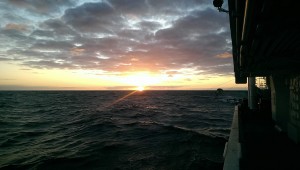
(114, 45)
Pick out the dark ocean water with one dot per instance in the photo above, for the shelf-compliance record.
(107, 130)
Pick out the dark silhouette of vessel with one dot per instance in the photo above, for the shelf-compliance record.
(265, 131)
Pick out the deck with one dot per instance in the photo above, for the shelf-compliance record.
(261, 145)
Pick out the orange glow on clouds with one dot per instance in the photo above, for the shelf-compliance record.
(16, 77)
(142, 79)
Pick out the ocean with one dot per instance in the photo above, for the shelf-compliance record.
(114, 130)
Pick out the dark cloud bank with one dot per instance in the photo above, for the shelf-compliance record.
(116, 35)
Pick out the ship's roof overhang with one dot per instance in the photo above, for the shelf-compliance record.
(265, 37)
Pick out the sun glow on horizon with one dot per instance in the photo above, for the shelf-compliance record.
(20, 78)
(140, 88)
(142, 79)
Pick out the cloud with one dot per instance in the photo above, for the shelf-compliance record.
(164, 87)
(48, 64)
(93, 17)
(42, 33)
(224, 55)
(7, 79)
(169, 36)
(120, 87)
(18, 87)
(17, 27)
(5, 59)
(130, 7)
(222, 69)
(41, 6)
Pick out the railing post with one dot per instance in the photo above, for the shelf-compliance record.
(252, 103)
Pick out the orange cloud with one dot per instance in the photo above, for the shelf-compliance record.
(18, 27)
(134, 59)
(224, 55)
(77, 51)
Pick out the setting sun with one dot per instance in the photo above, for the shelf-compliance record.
(142, 79)
(140, 88)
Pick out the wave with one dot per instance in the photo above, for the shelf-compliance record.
(200, 132)
(8, 142)
(63, 163)
(76, 130)
(202, 135)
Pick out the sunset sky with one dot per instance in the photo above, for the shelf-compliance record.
(114, 45)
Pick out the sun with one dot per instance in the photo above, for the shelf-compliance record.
(140, 80)
(140, 88)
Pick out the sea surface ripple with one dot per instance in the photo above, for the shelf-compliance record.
(114, 129)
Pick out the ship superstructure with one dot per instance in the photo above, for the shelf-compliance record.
(266, 54)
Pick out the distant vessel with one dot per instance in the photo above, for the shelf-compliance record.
(219, 92)
(265, 131)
